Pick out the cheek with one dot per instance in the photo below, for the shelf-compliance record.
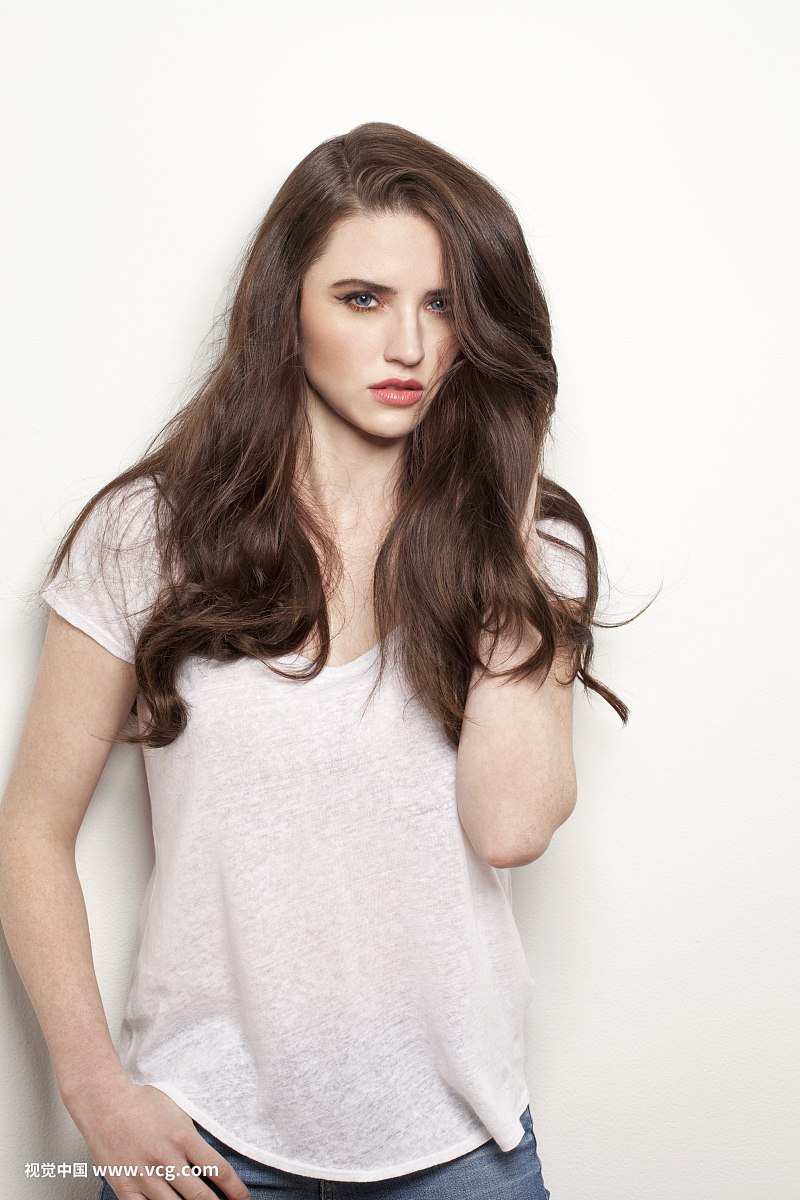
(446, 352)
(329, 344)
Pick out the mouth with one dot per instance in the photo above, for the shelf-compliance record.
(400, 393)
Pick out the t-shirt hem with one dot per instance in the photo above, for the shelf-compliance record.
(85, 624)
(314, 1171)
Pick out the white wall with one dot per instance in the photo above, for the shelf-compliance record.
(648, 149)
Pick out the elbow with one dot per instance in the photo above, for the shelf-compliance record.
(519, 855)
(531, 843)
(502, 859)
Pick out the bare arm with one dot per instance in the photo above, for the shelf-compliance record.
(515, 773)
(81, 698)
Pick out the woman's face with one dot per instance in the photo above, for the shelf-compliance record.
(375, 329)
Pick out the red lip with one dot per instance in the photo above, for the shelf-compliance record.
(411, 385)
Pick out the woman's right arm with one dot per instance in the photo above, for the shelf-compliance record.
(80, 700)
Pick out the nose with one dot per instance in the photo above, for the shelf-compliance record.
(404, 342)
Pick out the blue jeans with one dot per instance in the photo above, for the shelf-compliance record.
(487, 1173)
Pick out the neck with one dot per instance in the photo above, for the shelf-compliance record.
(351, 475)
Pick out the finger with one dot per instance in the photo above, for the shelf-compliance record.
(226, 1180)
(162, 1182)
(194, 1187)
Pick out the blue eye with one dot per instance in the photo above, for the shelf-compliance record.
(369, 302)
(360, 301)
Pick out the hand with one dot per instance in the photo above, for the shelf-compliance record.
(128, 1124)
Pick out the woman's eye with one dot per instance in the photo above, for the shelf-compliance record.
(361, 300)
(368, 302)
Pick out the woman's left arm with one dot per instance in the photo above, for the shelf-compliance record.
(515, 772)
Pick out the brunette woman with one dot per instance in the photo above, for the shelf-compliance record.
(348, 612)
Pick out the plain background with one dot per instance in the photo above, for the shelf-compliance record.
(649, 150)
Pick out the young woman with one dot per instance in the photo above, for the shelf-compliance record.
(348, 612)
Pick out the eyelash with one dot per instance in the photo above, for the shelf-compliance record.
(348, 300)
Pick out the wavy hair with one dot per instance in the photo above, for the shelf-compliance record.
(248, 566)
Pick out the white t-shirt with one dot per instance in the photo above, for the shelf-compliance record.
(328, 977)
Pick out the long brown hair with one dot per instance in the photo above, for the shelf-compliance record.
(247, 566)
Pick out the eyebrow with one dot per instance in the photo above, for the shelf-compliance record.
(369, 286)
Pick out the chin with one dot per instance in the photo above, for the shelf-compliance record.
(387, 422)
(386, 429)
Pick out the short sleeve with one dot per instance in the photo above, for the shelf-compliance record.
(563, 567)
(110, 580)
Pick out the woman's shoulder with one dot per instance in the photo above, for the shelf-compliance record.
(562, 557)
(127, 516)
(117, 531)
(109, 571)
(567, 549)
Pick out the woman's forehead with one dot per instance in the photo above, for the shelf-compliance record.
(396, 243)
